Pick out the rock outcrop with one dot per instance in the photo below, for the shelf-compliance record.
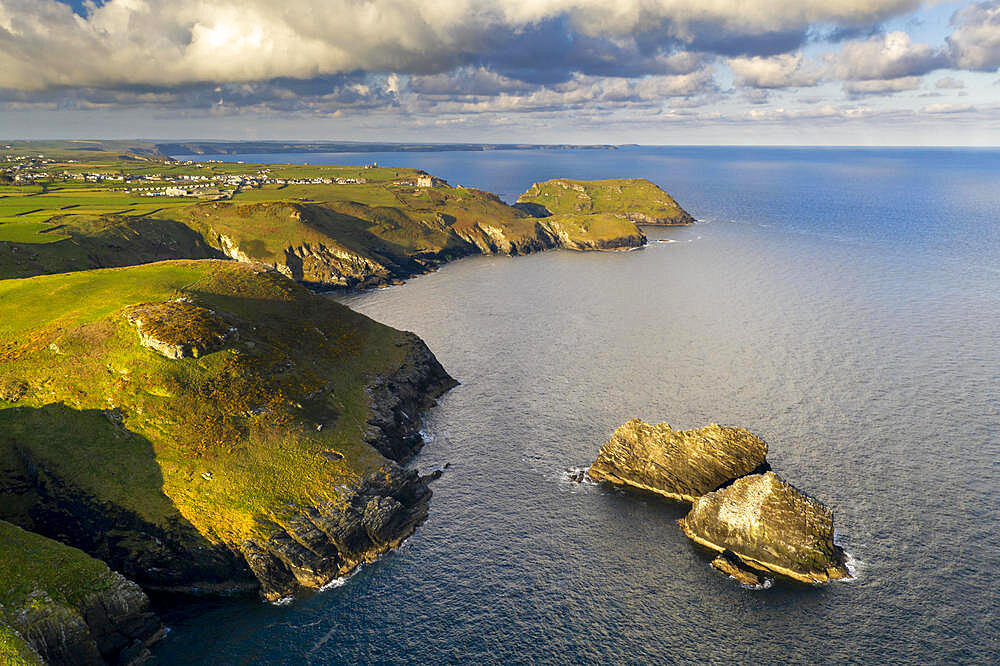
(179, 328)
(324, 542)
(69, 607)
(679, 464)
(769, 525)
(731, 565)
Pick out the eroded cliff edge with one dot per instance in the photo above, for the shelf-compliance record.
(248, 431)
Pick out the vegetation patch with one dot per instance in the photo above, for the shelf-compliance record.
(179, 328)
(635, 199)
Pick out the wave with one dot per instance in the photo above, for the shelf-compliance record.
(336, 582)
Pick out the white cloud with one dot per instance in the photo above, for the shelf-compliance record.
(43, 44)
(975, 42)
(949, 82)
(787, 70)
(889, 56)
(882, 86)
(937, 109)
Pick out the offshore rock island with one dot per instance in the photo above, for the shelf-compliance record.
(761, 525)
(179, 412)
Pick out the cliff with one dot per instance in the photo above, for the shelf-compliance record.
(325, 236)
(769, 526)
(678, 464)
(208, 425)
(634, 199)
(60, 605)
(593, 232)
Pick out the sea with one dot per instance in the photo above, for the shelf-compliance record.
(841, 303)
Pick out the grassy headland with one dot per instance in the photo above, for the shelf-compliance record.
(59, 603)
(212, 450)
(92, 205)
(197, 422)
(635, 199)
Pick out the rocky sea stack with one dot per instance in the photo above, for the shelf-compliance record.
(771, 526)
(760, 524)
(679, 464)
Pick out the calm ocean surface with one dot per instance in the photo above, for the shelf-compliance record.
(842, 304)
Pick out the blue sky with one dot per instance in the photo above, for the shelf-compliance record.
(849, 72)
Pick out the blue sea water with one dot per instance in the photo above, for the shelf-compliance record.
(844, 304)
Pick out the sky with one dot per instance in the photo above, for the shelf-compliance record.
(766, 72)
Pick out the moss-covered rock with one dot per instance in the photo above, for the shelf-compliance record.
(771, 526)
(14, 650)
(635, 199)
(678, 464)
(250, 463)
(67, 606)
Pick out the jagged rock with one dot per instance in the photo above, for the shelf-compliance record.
(678, 464)
(769, 524)
(397, 401)
(731, 565)
(329, 541)
(69, 607)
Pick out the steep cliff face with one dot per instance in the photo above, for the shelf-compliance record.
(399, 398)
(593, 232)
(320, 543)
(69, 607)
(264, 460)
(771, 526)
(679, 464)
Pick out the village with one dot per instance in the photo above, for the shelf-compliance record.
(38, 169)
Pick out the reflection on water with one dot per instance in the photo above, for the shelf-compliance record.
(840, 305)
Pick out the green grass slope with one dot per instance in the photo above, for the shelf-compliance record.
(192, 453)
(76, 242)
(636, 199)
(362, 227)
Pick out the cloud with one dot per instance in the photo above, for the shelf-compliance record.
(949, 82)
(889, 56)
(781, 71)
(881, 86)
(580, 93)
(167, 43)
(975, 41)
(938, 109)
